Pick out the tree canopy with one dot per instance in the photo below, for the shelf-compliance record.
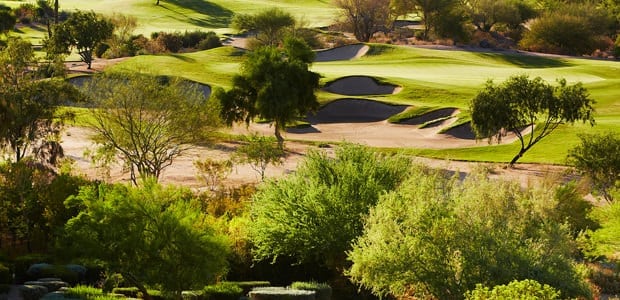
(28, 106)
(365, 17)
(82, 31)
(147, 120)
(521, 102)
(275, 84)
(268, 25)
(150, 234)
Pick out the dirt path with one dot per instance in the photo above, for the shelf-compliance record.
(182, 172)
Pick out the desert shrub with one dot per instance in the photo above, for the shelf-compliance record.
(524, 289)
(190, 39)
(323, 290)
(573, 209)
(606, 277)
(170, 41)
(441, 236)
(210, 42)
(5, 275)
(222, 291)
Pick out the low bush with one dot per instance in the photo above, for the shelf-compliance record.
(83, 292)
(606, 277)
(323, 290)
(210, 42)
(5, 275)
(524, 289)
(222, 291)
(131, 292)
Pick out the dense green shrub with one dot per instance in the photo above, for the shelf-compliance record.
(83, 292)
(323, 290)
(441, 236)
(210, 42)
(296, 216)
(524, 289)
(5, 275)
(171, 41)
(100, 49)
(131, 292)
(222, 291)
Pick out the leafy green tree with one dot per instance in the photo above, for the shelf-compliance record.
(29, 106)
(523, 289)
(313, 215)
(438, 236)
(260, 152)
(7, 20)
(521, 102)
(146, 120)
(82, 31)
(485, 14)
(365, 17)
(152, 235)
(598, 157)
(274, 84)
(269, 25)
(31, 203)
(430, 11)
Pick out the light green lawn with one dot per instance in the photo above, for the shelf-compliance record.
(172, 15)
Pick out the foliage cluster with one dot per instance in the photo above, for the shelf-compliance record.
(524, 289)
(169, 242)
(323, 290)
(294, 217)
(522, 103)
(439, 236)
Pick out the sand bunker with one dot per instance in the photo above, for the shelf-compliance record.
(360, 86)
(347, 52)
(79, 82)
(354, 111)
(430, 116)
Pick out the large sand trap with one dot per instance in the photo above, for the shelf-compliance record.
(354, 111)
(79, 82)
(430, 116)
(347, 52)
(360, 86)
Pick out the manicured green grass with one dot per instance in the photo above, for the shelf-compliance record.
(172, 15)
(432, 78)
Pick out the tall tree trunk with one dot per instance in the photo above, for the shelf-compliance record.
(278, 135)
(517, 157)
(55, 11)
(157, 2)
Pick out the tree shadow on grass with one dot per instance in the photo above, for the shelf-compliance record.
(526, 61)
(213, 15)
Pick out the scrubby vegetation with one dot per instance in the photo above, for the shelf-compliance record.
(368, 224)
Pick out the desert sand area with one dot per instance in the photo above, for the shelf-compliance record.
(352, 120)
